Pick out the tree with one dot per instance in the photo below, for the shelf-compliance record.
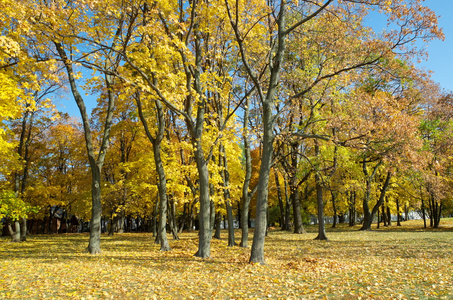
(274, 20)
(59, 27)
(436, 131)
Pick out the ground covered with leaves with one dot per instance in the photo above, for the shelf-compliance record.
(397, 263)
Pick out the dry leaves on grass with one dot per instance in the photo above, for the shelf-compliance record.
(352, 265)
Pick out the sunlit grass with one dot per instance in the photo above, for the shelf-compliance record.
(407, 262)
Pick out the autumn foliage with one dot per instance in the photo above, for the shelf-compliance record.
(201, 115)
(407, 263)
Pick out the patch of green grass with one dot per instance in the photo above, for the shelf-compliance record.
(408, 262)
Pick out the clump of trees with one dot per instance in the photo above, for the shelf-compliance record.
(217, 110)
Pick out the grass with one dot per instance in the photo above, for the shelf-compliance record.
(407, 262)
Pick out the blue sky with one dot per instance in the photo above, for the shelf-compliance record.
(440, 56)
(440, 59)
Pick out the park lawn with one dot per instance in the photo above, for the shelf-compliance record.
(390, 263)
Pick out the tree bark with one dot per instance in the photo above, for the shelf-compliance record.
(367, 225)
(280, 202)
(246, 195)
(352, 209)
(398, 214)
(173, 221)
(367, 217)
(257, 252)
(223, 161)
(162, 179)
(23, 229)
(320, 201)
(218, 224)
(287, 206)
(94, 245)
(334, 207)
(389, 216)
(297, 217)
(14, 232)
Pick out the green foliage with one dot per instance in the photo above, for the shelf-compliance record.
(12, 207)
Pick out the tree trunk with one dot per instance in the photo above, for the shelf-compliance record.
(23, 229)
(218, 224)
(287, 207)
(280, 201)
(320, 201)
(172, 219)
(257, 253)
(398, 215)
(389, 216)
(246, 195)
(230, 216)
(294, 189)
(367, 216)
(204, 215)
(122, 220)
(334, 207)
(438, 214)
(297, 217)
(223, 161)
(366, 209)
(367, 225)
(112, 224)
(183, 220)
(162, 179)
(94, 245)
(155, 218)
(51, 219)
(14, 232)
(378, 220)
(352, 209)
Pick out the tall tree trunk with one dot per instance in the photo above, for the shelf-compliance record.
(352, 210)
(389, 216)
(367, 226)
(378, 220)
(14, 232)
(294, 190)
(320, 201)
(246, 195)
(122, 220)
(367, 216)
(162, 179)
(173, 221)
(113, 220)
(438, 214)
(334, 207)
(223, 161)
(297, 216)
(94, 245)
(155, 218)
(204, 215)
(218, 225)
(280, 201)
(257, 252)
(366, 209)
(398, 214)
(287, 206)
(23, 229)
(20, 182)
(423, 213)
